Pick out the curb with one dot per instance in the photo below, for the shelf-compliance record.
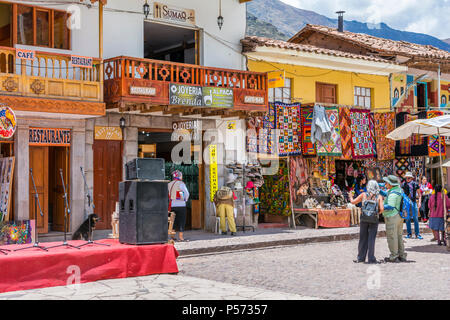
(287, 242)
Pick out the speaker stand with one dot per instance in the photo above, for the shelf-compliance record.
(4, 251)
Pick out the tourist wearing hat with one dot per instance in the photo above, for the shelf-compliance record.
(393, 220)
(179, 195)
(412, 189)
(224, 202)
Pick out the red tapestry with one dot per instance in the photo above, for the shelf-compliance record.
(363, 142)
(384, 124)
(346, 133)
(308, 148)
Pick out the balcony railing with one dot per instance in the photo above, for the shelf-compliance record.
(123, 72)
(49, 75)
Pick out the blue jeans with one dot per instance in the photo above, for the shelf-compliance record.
(413, 215)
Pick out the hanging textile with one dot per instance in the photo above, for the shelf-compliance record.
(346, 133)
(401, 166)
(274, 194)
(266, 132)
(308, 148)
(334, 146)
(433, 141)
(320, 127)
(288, 124)
(386, 168)
(252, 135)
(417, 145)
(298, 177)
(417, 166)
(363, 144)
(384, 124)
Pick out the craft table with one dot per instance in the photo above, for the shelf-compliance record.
(336, 218)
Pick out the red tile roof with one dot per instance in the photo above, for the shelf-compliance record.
(380, 45)
(250, 43)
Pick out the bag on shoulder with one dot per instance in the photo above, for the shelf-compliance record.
(224, 193)
(405, 205)
(369, 211)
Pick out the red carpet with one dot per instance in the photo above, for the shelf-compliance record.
(34, 268)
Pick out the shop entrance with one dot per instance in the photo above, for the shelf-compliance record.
(46, 163)
(170, 43)
(155, 143)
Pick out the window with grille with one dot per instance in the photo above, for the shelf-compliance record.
(281, 94)
(363, 97)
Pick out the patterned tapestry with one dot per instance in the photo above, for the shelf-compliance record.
(288, 124)
(417, 145)
(16, 232)
(401, 166)
(265, 132)
(433, 141)
(417, 166)
(308, 147)
(252, 135)
(384, 124)
(275, 197)
(334, 146)
(346, 133)
(363, 142)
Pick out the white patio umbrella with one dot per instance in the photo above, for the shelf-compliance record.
(439, 126)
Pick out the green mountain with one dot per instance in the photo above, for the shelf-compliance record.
(256, 27)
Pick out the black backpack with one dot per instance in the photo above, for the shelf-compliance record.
(369, 213)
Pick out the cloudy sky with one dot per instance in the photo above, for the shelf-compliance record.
(424, 16)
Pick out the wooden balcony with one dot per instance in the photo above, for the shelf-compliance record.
(133, 84)
(50, 84)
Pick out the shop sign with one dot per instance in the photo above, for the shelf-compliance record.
(193, 127)
(214, 97)
(25, 54)
(49, 137)
(182, 95)
(276, 79)
(8, 122)
(82, 62)
(254, 100)
(175, 14)
(108, 133)
(143, 91)
(213, 172)
(231, 125)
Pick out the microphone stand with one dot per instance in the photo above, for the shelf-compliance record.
(89, 196)
(36, 204)
(66, 213)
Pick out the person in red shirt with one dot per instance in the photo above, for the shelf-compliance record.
(426, 190)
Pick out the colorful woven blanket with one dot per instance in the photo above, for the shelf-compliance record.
(346, 133)
(363, 142)
(288, 124)
(334, 146)
(384, 124)
(308, 148)
(417, 145)
(433, 141)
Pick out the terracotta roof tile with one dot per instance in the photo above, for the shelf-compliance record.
(251, 42)
(381, 44)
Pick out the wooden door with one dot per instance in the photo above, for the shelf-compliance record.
(326, 93)
(107, 175)
(39, 164)
(61, 161)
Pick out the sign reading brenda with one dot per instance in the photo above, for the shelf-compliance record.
(182, 95)
(49, 137)
(218, 97)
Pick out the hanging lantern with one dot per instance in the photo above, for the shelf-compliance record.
(146, 9)
(220, 17)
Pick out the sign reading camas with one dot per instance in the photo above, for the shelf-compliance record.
(8, 122)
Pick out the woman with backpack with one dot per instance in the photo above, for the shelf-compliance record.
(371, 206)
(437, 214)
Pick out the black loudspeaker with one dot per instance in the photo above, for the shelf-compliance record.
(144, 207)
(145, 169)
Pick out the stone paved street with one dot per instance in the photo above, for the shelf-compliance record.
(321, 270)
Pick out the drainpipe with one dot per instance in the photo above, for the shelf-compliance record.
(100, 44)
(439, 87)
(390, 91)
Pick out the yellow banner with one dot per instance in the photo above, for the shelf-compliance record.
(276, 79)
(213, 173)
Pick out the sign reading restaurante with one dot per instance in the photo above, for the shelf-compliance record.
(49, 137)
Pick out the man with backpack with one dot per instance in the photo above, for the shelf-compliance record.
(393, 220)
(412, 189)
(224, 201)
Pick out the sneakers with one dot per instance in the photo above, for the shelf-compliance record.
(388, 259)
(233, 233)
(419, 237)
(402, 259)
(408, 236)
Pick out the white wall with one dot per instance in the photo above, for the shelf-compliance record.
(124, 29)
